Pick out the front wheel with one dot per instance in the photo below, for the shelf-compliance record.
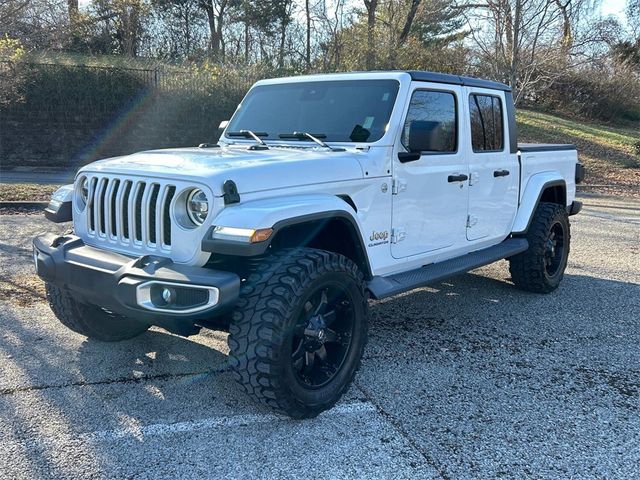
(541, 267)
(299, 330)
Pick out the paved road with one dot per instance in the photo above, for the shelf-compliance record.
(470, 379)
(37, 175)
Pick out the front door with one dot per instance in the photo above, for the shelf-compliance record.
(430, 193)
(493, 170)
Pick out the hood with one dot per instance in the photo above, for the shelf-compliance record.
(251, 170)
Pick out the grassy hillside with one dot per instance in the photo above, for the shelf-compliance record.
(611, 153)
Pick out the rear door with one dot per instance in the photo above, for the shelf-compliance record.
(430, 193)
(493, 170)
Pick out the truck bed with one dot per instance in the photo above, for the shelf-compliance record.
(548, 159)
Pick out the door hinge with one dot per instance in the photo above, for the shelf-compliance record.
(471, 220)
(398, 186)
(398, 235)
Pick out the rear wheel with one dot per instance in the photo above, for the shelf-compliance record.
(298, 333)
(90, 320)
(541, 267)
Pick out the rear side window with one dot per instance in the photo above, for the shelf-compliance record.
(486, 123)
(439, 109)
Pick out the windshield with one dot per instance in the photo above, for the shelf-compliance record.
(335, 111)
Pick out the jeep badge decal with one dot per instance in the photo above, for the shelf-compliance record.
(378, 238)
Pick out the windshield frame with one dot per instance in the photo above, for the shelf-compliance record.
(386, 139)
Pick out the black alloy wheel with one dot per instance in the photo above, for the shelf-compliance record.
(322, 337)
(554, 249)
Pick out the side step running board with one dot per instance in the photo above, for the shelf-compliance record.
(382, 287)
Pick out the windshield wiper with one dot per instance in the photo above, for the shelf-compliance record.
(254, 135)
(314, 138)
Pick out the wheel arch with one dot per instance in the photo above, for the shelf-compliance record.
(548, 187)
(334, 231)
(326, 222)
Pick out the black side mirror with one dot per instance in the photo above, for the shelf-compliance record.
(405, 157)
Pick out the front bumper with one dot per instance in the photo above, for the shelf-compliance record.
(574, 208)
(125, 285)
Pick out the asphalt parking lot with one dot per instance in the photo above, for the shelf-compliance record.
(469, 379)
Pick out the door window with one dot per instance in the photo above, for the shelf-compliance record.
(486, 123)
(439, 109)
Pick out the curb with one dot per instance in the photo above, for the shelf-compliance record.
(604, 196)
(22, 204)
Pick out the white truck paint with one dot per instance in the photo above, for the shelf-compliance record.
(403, 179)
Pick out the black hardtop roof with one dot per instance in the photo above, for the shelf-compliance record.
(436, 77)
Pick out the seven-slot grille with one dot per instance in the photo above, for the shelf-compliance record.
(130, 211)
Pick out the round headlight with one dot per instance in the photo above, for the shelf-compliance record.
(82, 193)
(84, 189)
(197, 206)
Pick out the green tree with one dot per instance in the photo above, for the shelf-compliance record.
(13, 74)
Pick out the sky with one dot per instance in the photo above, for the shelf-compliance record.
(615, 8)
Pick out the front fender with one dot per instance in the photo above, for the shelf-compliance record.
(59, 208)
(531, 197)
(275, 213)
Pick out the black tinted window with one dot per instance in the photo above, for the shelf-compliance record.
(339, 111)
(439, 109)
(486, 123)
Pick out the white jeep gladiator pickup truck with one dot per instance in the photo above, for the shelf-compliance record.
(322, 192)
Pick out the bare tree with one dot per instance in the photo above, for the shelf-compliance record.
(332, 20)
(633, 17)
(519, 39)
(216, 11)
(567, 32)
(371, 6)
(307, 53)
(183, 26)
(37, 23)
(72, 7)
(123, 20)
(10, 13)
(411, 15)
(283, 10)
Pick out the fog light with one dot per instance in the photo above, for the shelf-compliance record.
(172, 297)
(168, 295)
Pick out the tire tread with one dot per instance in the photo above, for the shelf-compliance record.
(527, 270)
(267, 298)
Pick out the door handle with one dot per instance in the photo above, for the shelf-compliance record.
(457, 178)
(500, 173)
